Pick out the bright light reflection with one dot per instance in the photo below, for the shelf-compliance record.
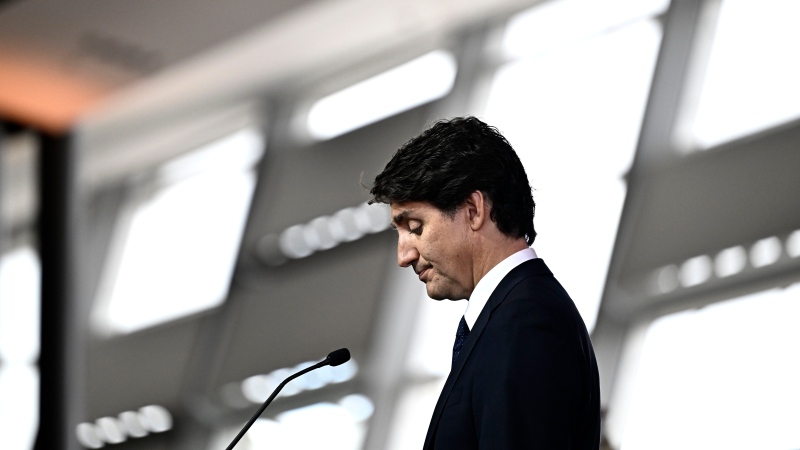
(180, 250)
(132, 424)
(19, 406)
(751, 79)
(551, 24)
(419, 81)
(326, 232)
(665, 279)
(155, 418)
(695, 271)
(19, 348)
(259, 387)
(111, 430)
(359, 406)
(793, 244)
(88, 435)
(573, 117)
(322, 425)
(721, 377)
(238, 151)
(730, 261)
(19, 306)
(765, 252)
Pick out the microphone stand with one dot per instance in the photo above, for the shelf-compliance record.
(334, 359)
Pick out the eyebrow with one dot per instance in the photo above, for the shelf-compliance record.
(399, 218)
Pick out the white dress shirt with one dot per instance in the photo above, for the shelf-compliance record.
(487, 284)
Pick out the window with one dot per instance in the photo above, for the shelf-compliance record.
(570, 94)
(19, 347)
(414, 83)
(724, 376)
(751, 79)
(177, 249)
(573, 116)
(337, 426)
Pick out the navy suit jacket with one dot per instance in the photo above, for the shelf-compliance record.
(526, 377)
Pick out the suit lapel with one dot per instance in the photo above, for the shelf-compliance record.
(524, 270)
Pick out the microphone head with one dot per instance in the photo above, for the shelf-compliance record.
(338, 357)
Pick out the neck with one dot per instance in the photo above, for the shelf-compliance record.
(493, 254)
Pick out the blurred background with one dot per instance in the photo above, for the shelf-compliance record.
(183, 220)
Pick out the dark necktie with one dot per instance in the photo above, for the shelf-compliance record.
(461, 336)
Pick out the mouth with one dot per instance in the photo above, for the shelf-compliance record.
(422, 273)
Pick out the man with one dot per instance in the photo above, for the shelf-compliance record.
(524, 374)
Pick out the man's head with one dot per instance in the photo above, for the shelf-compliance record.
(465, 171)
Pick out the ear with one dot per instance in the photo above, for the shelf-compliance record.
(477, 209)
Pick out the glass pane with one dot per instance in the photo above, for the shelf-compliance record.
(181, 244)
(19, 348)
(724, 376)
(751, 82)
(573, 116)
(414, 83)
(20, 277)
(555, 23)
(335, 426)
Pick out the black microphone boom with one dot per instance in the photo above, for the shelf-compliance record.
(335, 358)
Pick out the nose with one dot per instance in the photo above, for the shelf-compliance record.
(406, 252)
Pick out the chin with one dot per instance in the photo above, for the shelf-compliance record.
(435, 295)
(438, 295)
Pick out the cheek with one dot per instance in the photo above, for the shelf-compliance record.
(430, 257)
(457, 260)
(443, 257)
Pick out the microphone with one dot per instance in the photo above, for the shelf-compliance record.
(334, 358)
(337, 357)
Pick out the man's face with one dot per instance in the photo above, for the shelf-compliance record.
(436, 246)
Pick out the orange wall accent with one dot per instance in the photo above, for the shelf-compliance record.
(42, 94)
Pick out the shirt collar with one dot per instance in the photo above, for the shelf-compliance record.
(487, 284)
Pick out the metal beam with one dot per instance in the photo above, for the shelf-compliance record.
(615, 334)
(62, 353)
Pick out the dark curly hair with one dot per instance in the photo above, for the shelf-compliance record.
(452, 159)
